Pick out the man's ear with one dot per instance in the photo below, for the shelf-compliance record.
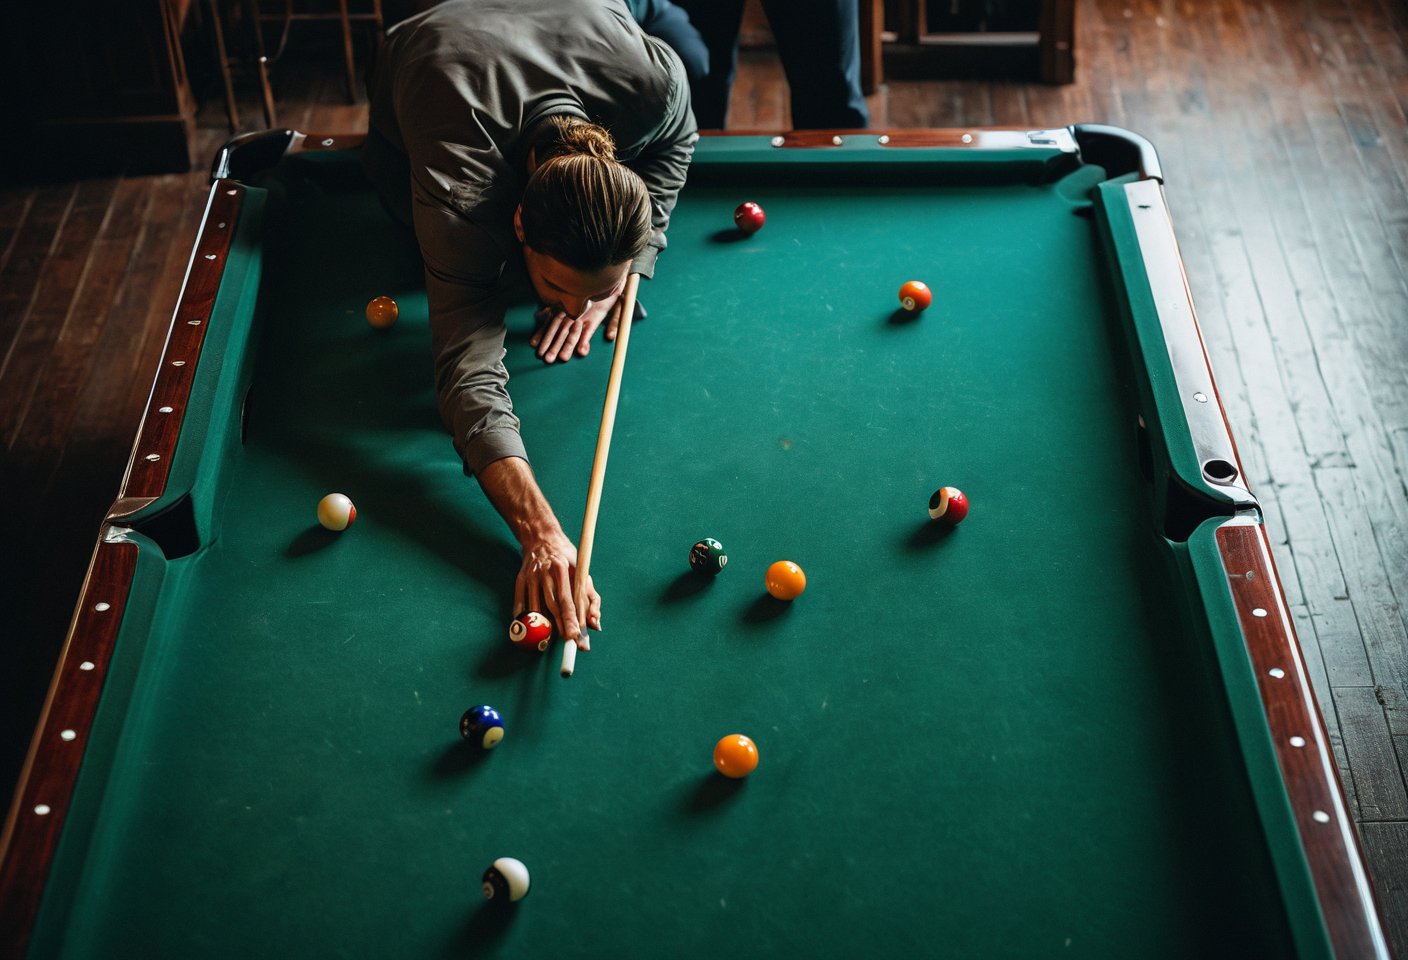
(518, 222)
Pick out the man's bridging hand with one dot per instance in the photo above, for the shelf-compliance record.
(558, 336)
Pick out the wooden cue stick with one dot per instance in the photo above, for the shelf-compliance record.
(603, 448)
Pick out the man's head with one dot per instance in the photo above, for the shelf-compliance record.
(584, 216)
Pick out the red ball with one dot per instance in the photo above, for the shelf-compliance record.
(531, 631)
(915, 296)
(749, 217)
(949, 506)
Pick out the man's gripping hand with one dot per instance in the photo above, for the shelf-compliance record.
(545, 583)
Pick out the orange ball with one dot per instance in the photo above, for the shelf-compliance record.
(915, 296)
(382, 312)
(785, 580)
(736, 756)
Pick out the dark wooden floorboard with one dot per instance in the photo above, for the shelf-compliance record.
(46, 423)
(139, 304)
(1378, 784)
(1283, 129)
(14, 209)
(59, 282)
(1384, 844)
(33, 240)
(1395, 701)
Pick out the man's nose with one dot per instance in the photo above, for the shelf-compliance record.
(575, 308)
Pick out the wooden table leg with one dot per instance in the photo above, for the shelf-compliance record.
(1057, 41)
(872, 60)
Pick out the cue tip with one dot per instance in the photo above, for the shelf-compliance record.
(569, 658)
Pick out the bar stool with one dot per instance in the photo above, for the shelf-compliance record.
(256, 19)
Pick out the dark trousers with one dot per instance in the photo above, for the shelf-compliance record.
(818, 42)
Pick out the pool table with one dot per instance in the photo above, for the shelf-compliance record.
(1077, 724)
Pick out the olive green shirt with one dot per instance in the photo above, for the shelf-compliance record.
(459, 94)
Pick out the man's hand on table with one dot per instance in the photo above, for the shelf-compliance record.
(545, 582)
(558, 336)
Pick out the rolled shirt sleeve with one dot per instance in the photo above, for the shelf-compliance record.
(467, 338)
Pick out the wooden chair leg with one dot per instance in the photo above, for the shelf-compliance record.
(347, 51)
(232, 112)
(267, 93)
(256, 20)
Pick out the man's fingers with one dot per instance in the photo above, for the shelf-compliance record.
(550, 333)
(543, 335)
(614, 320)
(566, 609)
(591, 320)
(540, 318)
(591, 614)
(520, 594)
(570, 342)
(554, 346)
(593, 609)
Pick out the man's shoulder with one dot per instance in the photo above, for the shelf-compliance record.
(654, 106)
(505, 22)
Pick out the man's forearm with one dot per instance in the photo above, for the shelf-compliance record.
(511, 488)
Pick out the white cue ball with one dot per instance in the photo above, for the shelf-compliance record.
(336, 512)
(507, 877)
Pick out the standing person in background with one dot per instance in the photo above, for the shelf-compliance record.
(666, 21)
(818, 42)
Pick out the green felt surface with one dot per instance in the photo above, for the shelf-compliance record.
(1008, 741)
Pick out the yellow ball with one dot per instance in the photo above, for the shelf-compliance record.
(785, 580)
(382, 312)
(736, 756)
(336, 512)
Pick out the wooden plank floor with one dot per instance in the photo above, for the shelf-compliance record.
(1281, 124)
